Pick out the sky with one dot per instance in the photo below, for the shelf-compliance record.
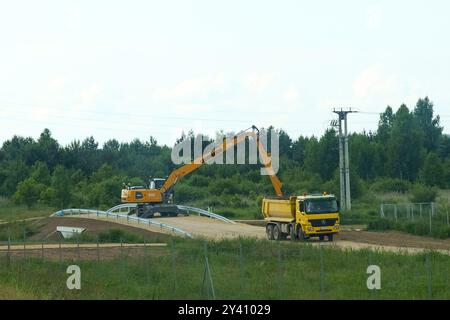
(135, 69)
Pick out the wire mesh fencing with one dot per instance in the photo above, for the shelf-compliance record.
(231, 269)
(426, 218)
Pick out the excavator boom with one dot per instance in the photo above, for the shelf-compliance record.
(228, 143)
(156, 199)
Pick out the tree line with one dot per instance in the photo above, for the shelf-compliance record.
(407, 149)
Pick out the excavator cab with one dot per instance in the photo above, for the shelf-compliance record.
(156, 183)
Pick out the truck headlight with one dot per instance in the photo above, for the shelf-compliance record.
(336, 227)
(310, 229)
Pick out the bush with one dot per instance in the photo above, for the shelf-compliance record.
(28, 192)
(419, 228)
(391, 185)
(380, 225)
(186, 193)
(117, 236)
(17, 231)
(421, 193)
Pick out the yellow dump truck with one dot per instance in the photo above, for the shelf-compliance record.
(301, 217)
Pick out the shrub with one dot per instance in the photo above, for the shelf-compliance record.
(186, 193)
(391, 185)
(380, 225)
(421, 193)
(28, 192)
(117, 236)
(420, 228)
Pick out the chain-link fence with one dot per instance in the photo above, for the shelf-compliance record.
(232, 269)
(430, 215)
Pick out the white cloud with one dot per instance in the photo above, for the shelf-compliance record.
(89, 94)
(374, 18)
(291, 96)
(374, 82)
(73, 18)
(192, 88)
(258, 82)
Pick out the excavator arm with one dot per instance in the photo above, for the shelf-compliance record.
(228, 143)
(276, 183)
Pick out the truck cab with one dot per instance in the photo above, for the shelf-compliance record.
(302, 217)
(317, 215)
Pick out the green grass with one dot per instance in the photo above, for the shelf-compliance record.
(11, 212)
(248, 269)
(17, 231)
(420, 228)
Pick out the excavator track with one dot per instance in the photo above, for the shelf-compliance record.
(147, 211)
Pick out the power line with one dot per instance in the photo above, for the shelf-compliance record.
(143, 116)
(344, 166)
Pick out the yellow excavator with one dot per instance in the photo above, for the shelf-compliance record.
(158, 197)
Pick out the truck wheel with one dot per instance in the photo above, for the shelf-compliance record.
(321, 238)
(300, 234)
(269, 231)
(330, 237)
(292, 232)
(276, 232)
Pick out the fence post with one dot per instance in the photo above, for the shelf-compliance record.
(78, 248)
(280, 289)
(429, 276)
(395, 212)
(146, 259)
(174, 265)
(60, 251)
(408, 211)
(322, 282)
(124, 264)
(207, 272)
(24, 242)
(446, 210)
(98, 250)
(430, 224)
(241, 266)
(369, 260)
(8, 255)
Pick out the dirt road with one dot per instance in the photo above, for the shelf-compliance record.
(215, 229)
(348, 239)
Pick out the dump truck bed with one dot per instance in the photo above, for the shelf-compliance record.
(282, 210)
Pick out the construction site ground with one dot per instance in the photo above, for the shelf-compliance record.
(202, 227)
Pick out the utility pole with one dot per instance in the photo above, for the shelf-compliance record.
(344, 161)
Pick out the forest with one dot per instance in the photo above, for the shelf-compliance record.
(407, 153)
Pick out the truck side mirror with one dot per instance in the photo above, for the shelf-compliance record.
(338, 204)
(302, 207)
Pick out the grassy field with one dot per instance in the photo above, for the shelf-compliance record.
(240, 269)
(11, 212)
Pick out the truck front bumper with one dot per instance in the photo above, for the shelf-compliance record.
(311, 231)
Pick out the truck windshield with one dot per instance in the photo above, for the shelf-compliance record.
(321, 205)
